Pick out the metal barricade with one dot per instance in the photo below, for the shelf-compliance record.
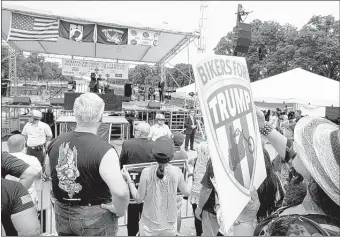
(14, 117)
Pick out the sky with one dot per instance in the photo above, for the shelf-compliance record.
(185, 15)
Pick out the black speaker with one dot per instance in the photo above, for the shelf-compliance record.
(242, 37)
(112, 102)
(69, 99)
(22, 101)
(126, 99)
(154, 105)
(128, 89)
(57, 101)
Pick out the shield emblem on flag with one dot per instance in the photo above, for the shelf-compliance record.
(234, 133)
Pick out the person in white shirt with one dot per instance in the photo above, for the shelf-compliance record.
(273, 120)
(159, 129)
(16, 147)
(37, 134)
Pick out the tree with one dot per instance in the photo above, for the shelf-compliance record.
(318, 47)
(32, 70)
(139, 74)
(314, 48)
(181, 73)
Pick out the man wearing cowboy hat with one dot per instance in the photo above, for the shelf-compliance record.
(37, 134)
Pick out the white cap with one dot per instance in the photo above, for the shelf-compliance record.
(160, 116)
(36, 114)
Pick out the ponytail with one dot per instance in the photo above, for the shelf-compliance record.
(160, 171)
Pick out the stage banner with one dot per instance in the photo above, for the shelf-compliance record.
(81, 68)
(135, 171)
(143, 37)
(76, 32)
(232, 130)
(112, 35)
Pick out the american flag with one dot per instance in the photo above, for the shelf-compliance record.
(30, 28)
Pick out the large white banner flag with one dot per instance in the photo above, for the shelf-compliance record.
(231, 125)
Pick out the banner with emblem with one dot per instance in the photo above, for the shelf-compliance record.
(143, 37)
(111, 35)
(231, 126)
(135, 171)
(82, 68)
(76, 32)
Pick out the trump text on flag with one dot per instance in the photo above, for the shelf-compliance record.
(231, 127)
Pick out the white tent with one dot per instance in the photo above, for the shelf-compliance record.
(297, 86)
(185, 90)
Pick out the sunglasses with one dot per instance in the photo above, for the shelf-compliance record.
(161, 119)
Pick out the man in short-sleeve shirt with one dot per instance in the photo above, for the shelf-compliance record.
(206, 205)
(18, 214)
(11, 165)
(37, 135)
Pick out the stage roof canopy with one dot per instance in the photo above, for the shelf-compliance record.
(170, 42)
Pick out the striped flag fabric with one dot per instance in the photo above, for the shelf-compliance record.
(32, 28)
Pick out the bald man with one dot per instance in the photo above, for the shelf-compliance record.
(16, 147)
(135, 151)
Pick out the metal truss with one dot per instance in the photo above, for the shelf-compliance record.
(201, 40)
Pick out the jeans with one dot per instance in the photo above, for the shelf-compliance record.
(84, 220)
(134, 213)
(198, 222)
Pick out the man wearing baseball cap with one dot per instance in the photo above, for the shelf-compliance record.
(37, 134)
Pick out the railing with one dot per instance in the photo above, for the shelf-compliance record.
(14, 117)
(48, 217)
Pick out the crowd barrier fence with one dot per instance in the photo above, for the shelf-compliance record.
(46, 202)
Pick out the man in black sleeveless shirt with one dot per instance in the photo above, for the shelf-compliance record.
(87, 184)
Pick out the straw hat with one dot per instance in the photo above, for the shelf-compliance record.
(317, 142)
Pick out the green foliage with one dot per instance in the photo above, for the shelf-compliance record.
(314, 48)
(34, 67)
(178, 76)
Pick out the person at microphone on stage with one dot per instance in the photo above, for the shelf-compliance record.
(93, 83)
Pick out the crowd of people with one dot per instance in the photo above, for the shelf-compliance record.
(91, 187)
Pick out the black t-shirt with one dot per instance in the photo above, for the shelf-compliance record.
(209, 206)
(12, 165)
(14, 199)
(75, 158)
